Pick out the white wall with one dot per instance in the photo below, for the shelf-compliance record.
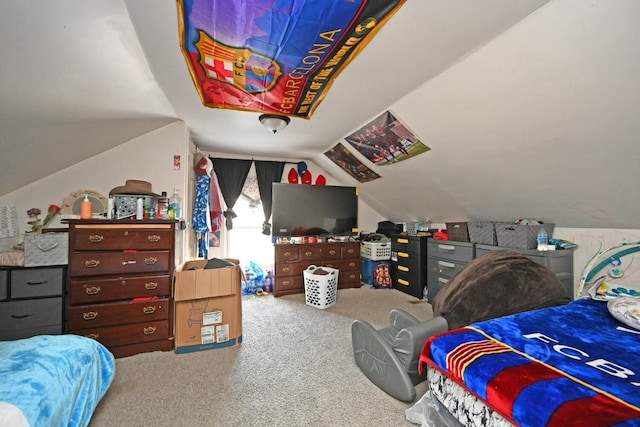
(367, 218)
(148, 157)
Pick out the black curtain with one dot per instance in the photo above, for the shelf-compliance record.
(231, 173)
(267, 173)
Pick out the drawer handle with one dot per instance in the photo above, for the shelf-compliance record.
(403, 282)
(442, 280)
(446, 264)
(286, 283)
(403, 268)
(96, 238)
(403, 254)
(353, 276)
(89, 315)
(308, 253)
(150, 330)
(287, 254)
(36, 283)
(92, 290)
(285, 269)
(21, 316)
(403, 240)
(150, 260)
(151, 285)
(93, 336)
(149, 309)
(447, 247)
(352, 264)
(351, 251)
(153, 238)
(92, 263)
(332, 252)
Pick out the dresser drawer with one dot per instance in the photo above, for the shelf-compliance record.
(132, 333)
(4, 284)
(93, 290)
(28, 314)
(349, 279)
(287, 253)
(91, 316)
(289, 269)
(18, 334)
(121, 263)
(123, 236)
(455, 251)
(435, 283)
(344, 265)
(410, 244)
(351, 250)
(444, 267)
(37, 282)
(312, 254)
(293, 284)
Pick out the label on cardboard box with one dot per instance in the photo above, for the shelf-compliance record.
(222, 333)
(212, 317)
(207, 334)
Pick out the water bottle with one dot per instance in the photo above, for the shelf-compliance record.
(176, 204)
(425, 292)
(543, 239)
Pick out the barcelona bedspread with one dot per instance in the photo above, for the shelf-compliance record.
(559, 366)
(53, 380)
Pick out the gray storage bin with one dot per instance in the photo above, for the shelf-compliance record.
(483, 232)
(520, 236)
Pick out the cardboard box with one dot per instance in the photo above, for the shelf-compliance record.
(208, 307)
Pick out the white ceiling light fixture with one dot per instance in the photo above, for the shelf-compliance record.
(274, 123)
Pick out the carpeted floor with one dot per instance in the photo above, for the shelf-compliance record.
(294, 368)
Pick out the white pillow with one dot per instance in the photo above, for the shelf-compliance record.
(626, 310)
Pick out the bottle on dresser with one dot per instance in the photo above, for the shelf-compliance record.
(163, 206)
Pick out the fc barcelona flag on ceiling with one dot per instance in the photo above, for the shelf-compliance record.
(274, 56)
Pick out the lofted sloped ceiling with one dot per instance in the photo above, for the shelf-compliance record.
(529, 107)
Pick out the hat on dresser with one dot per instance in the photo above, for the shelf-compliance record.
(134, 186)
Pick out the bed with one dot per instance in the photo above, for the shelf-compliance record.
(52, 380)
(575, 364)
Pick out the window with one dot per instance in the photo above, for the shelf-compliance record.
(246, 241)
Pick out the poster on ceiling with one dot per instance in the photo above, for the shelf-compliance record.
(385, 141)
(274, 56)
(341, 156)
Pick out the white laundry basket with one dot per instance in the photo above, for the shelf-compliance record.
(320, 290)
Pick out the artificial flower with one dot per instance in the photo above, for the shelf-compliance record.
(36, 224)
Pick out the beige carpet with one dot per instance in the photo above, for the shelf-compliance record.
(294, 368)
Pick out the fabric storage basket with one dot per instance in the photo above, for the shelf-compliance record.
(520, 236)
(458, 231)
(375, 251)
(483, 232)
(46, 249)
(320, 290)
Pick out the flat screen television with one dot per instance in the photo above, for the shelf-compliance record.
(313, 210)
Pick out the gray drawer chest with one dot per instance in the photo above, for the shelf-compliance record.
(559, 261)
(445, 258)
(31, 301)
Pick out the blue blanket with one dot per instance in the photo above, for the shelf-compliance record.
(568, 365)
(55, 380)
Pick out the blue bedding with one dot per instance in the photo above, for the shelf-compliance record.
(558, 366)
(54, 380)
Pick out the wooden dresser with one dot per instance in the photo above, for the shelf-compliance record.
(292, 259)
(119, 283)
